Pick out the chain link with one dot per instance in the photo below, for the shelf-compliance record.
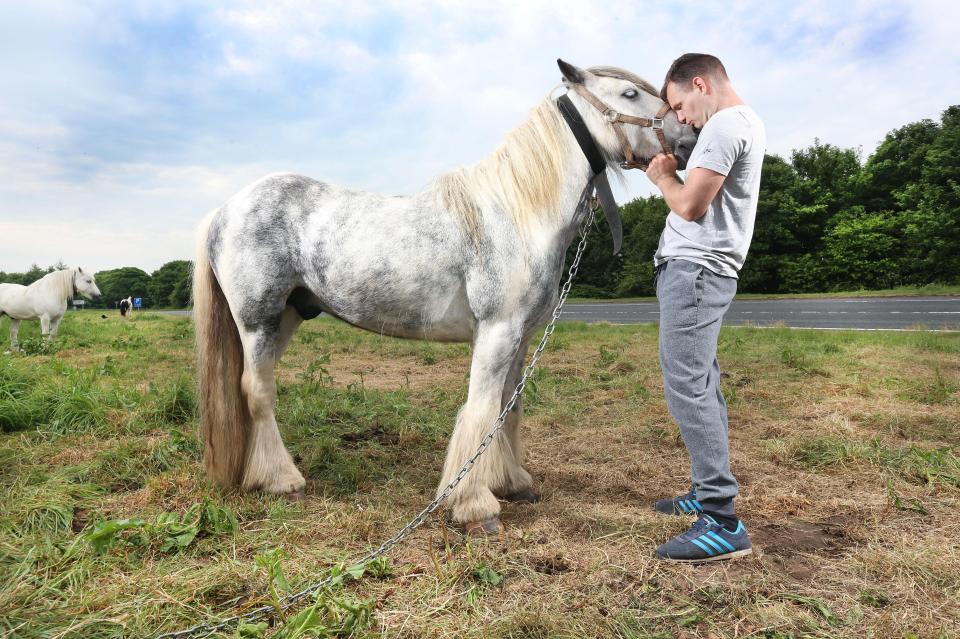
(205, 630)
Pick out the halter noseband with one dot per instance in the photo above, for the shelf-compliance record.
(616, 119)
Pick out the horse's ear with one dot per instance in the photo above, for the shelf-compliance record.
(571, 73)
(79, 270)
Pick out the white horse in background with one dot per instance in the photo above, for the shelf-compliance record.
(45, 299)
(477, 257)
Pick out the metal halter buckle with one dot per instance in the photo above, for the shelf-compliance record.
(656, 123)
(611, 116)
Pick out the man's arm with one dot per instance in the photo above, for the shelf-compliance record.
(690, 200)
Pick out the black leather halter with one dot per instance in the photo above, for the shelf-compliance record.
(598, 183)
(580, 131)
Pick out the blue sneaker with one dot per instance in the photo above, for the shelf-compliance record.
(682, 505)
(707, 541)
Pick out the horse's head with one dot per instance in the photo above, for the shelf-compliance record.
(84, 284)
(634, 107)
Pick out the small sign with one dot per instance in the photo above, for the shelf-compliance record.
(137, 302)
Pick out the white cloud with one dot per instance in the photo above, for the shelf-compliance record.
(135, 143)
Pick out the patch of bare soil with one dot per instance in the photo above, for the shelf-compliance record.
(798, 536)
(796, 547)
(389, 374)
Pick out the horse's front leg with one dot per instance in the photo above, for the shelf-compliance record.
(45, 327)
(14, 332)
(519, 485)
(473, 502)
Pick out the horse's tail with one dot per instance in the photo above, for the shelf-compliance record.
(225, 420)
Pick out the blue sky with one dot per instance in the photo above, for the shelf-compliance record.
(122, 123)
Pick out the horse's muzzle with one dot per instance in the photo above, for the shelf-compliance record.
(683, 154)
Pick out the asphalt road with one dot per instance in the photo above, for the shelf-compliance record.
(877, 313)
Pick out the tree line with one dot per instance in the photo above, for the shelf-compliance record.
(166, 287)
(826, 221)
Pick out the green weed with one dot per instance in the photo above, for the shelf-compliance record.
(166, 533)
(37, 346)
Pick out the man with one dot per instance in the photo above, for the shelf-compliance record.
(702, 248)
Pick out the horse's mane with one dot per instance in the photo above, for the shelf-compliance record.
(524, 174)
(60, 281)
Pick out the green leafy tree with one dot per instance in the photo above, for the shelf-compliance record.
(863, 250)
(182, 294)
(119, 283)
(31, 276)
(167, 284)
(644, 220)
(827, 181)
(774, 236)
(927, 195)
(599, 267)
(897, 162)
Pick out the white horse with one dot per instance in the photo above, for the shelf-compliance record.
(45, 299)
(476, 257)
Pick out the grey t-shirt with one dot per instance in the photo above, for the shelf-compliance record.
(732, 143)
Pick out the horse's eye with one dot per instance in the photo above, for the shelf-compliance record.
(630, 94)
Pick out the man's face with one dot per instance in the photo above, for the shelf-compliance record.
(690, 102)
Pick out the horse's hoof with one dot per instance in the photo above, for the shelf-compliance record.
(526, 496)
(297, 495)
(483, 528)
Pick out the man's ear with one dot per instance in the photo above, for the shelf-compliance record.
(571, 74)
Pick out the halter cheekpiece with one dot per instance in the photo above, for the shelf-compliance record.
(617, 120)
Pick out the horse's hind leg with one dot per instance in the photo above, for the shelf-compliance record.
(289, 322)
(473, 502)
(54, 327)
(269, 466)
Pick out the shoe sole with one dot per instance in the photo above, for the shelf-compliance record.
(677, 513)
(730, 555)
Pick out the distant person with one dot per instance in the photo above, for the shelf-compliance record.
(124, 307)
(702, 248)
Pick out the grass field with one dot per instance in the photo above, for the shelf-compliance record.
(846, 445)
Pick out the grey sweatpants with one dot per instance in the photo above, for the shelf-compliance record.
(693, 300)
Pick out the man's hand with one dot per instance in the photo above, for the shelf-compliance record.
(663, 165)
(690, 200)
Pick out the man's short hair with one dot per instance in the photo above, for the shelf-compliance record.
(690, 65)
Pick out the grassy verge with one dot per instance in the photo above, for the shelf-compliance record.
(902, 291)
(845, 445)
